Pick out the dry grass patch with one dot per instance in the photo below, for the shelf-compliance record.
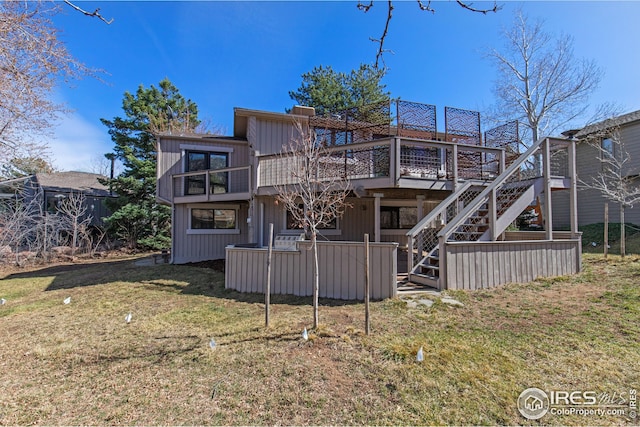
(82, 364)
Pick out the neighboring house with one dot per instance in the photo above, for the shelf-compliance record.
(590, 201)
(445, 198)
(50, 188)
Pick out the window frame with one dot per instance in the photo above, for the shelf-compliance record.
(208, 151)
(209, 206)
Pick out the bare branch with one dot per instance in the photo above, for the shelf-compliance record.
(312, 189)
(469, 6)
(427, 8)
(94, 14)
(424, 7)
(539, 81)
(365, 7)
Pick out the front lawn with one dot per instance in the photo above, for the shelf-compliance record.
(81, 363)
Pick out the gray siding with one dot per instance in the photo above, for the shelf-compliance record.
(631, 136)
(482, 265)
(342, 274)
(357, 221)
(203, 247)
(170, 160)
(590, 202)
(561, 209)
(269, 136)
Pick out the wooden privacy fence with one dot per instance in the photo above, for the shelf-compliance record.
(478, 265)
(341, 267)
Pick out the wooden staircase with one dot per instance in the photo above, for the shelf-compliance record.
(474, 212)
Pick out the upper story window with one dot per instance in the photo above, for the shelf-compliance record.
(206, 160)
(607, 146)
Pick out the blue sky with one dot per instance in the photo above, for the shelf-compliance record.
(251, 54)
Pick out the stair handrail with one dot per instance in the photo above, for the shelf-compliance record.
(484, 195)
(439, 210)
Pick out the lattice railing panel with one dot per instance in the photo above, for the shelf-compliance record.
(560, 162)
(425, 240)
(358, 124)
(421, 162)
(416, 120)
(361, 163)
(505, 136)
(462, 126)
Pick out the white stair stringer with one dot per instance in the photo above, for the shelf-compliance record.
(526, 199)
(423, 237)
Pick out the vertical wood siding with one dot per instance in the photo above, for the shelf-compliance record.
(271, 136)
(482, 265)
(203, 247)
(590, 202)
(341, 270)
(170, 162)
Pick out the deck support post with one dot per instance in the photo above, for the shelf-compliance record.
(395, 159)
(493, 215)
(442, 263)
(454, 167)
(546, 165)
(573, 189)
(376, 215)
(420, 200)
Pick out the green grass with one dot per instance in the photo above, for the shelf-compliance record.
(82, 364)
(594, 233)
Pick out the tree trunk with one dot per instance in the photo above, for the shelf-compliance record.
(623, 245)
(316, 278)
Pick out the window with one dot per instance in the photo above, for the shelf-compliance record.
(213, 219)
(202, 160)
(607, 146)
(398, 217)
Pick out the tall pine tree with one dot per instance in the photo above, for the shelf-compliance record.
(137, 218)
(329, 91)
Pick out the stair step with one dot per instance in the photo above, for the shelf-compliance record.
(424, 279)
(430, 267)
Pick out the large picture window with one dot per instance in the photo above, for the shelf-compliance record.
(200, 161)
(211, 219)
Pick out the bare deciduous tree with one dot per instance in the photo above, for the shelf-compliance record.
(32, 61)
(539, 80)
(615, 180)
(74, 219)
(16, 225)
(315, 193)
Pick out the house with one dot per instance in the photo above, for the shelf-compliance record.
(49, 188)
(437, 204)
(588, 162)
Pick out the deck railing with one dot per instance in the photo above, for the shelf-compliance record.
(390, 158)
(534, 163)
(422, 239)
(219, 184)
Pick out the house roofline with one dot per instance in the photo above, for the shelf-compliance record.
(241, 116)
(603, 125)
(204, 137)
